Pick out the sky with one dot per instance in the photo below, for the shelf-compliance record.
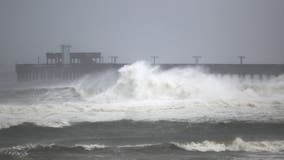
(174, 30)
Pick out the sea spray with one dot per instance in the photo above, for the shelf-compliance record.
(141, 91)
(237, 145)
(142, 81)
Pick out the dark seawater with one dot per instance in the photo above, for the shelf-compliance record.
(144, 113)
(126, 139)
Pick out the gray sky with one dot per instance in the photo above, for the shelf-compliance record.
(218, 30)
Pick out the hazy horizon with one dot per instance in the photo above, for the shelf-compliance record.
(142, 111)
(219, 30)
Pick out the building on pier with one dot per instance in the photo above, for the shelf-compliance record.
(68, 65)
(74, 58)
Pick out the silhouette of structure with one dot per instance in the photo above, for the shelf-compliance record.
(68, 65)
(65, 50)
(154, 59)
(85, 57)
(113, 59)
(196, 59)
(241, 59)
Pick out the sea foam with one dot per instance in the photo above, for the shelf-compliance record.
(237, 145)
(144, 92)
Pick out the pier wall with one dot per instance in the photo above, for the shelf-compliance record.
(47, 72)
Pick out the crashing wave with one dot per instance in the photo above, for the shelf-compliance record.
(145, 92)
(141, 81)
(237, 145)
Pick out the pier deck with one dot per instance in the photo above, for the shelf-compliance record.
(32, 72)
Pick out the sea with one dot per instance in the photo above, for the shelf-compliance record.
(142, 112)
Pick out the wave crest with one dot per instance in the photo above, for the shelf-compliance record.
(237, 145)
(144, 92)
(142, 81)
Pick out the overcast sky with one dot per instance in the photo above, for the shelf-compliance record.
(217, 30)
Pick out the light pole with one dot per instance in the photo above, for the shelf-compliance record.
(241, 59)
(196, 59)
(154, 59)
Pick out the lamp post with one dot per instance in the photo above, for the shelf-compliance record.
(196, 58)
(154, 59)
(242, 59)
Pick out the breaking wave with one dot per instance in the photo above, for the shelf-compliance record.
(141, 81)
(237, 145)
(144, 92)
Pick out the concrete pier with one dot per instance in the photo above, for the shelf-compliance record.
(49, 72)
(69, 72)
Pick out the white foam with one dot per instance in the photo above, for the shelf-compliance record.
(237, 145)
(143, 92)
(138, 145)
(141, 81)
(90, 147)
(21, 151)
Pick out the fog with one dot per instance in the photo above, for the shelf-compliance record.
(141, 110)
(174, 30)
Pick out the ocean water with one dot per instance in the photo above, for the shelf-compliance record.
(142, 112)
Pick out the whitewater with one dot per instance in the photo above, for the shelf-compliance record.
(142, 111)
(144, 92)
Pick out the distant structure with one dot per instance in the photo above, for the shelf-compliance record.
(67, 57)
(85, 57)
(54, 58)
(242, 59)
(154, 59)
(65, 50)
(113, 59)
(68, 66)
(102, 59)
(64, 65)
(196, 59)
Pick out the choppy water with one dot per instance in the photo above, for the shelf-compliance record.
(145, 113)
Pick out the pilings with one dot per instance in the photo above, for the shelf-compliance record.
(66, 72)
(69, 72)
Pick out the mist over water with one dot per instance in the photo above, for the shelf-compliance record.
(141, 81)
(141, 108)
(141, 91)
